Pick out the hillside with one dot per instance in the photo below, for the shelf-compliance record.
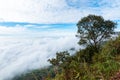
(104, 65)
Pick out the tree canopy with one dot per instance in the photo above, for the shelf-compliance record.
(93, 29)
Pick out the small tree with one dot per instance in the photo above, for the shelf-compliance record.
(92, 30)
(61, 58)
(62, 61)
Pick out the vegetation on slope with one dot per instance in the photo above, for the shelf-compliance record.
(97, 61)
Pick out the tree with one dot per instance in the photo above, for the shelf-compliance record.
(61, 57)
(62, 61)
(92, 30)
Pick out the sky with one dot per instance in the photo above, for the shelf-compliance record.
(28, 28)
(29, 14)
(56, 11)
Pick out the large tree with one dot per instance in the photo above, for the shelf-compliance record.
(93, 29)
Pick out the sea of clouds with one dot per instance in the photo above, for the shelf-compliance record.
(20, 53)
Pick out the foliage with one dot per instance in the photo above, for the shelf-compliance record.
(107, 62)
(38, 74)
(93, 29)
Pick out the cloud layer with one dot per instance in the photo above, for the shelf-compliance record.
(18, 55)
(28, 47)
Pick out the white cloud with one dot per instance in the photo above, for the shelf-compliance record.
(18, 55)
(23, 49)
(12, 30)
(28, 10)
(36, 31)
(56, 11)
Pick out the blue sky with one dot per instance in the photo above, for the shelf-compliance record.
(57, 14)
